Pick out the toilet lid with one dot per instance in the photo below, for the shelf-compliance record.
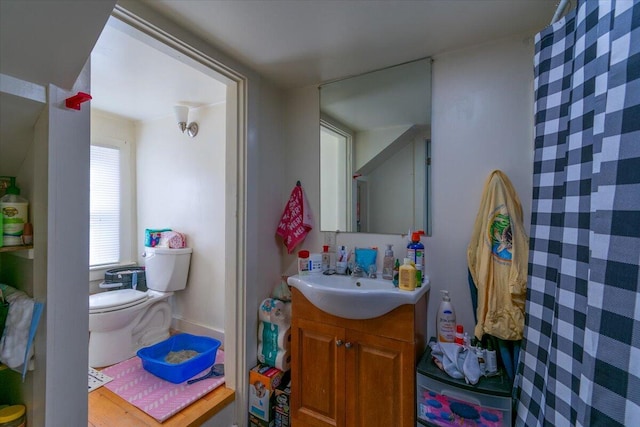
(119, 298)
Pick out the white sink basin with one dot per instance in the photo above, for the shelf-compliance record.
(354, 297)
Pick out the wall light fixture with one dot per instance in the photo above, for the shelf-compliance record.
(182, 115)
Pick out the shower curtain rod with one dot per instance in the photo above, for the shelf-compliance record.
(560, 9)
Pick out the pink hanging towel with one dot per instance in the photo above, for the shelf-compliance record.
(296, 220)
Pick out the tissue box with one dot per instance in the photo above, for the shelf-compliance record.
(263, 381)
(152, 236)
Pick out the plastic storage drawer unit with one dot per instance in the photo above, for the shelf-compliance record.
(446, 401)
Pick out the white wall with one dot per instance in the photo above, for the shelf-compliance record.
(395, 182)
(67, 258)
(369, 143)
(105, 125)
(482, 120)
(302, 162)
(181, 185)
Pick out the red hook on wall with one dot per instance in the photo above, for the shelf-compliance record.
(75, 101)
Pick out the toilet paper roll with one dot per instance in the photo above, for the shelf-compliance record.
(273, 336)
(264, 312)
(275, 311)
(283, 361)
(279, 359)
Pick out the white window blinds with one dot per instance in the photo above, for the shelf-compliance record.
(104, 232)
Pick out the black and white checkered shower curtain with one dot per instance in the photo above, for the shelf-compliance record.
(580, 362)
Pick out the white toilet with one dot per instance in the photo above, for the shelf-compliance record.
(123, 321)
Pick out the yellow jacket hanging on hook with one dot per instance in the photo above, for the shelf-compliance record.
(498, 256)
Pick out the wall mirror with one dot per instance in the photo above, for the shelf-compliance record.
(375, 143)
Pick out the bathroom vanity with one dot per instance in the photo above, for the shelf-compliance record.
(355, 372)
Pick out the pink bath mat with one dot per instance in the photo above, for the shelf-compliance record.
(155, 396)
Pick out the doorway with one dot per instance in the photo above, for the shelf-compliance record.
(193, 185)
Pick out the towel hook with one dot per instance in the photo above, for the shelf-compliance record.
(298, 183)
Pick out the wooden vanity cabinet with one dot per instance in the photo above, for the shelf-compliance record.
(355, 373)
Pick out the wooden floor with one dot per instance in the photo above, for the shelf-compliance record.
(107, 409)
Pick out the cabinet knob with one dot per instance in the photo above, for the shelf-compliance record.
(347, 345)
(338, 343)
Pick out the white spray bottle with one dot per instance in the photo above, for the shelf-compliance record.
(446, 321)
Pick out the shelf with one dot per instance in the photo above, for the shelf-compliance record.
(16, 248)
(24, 251)
(21, 103)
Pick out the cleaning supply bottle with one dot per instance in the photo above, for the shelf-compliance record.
(341, 260)
(407, 276)
(387, 264)
(303, 262)
(491, 359)
(328, 258)
(459, 335)
(481, 359)
(415, 252)
(315, 263)
(446, 321)
(396, 273)
(15, 213)
(326, 261)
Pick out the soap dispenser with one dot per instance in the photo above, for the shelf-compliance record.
(387, 264)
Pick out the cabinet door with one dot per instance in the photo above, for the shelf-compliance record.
(380, 381)
(317, 374)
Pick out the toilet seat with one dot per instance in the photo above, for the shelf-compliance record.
(115, 300)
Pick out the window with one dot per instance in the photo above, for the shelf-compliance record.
(104, 235)
(110, 223)
(335, 192)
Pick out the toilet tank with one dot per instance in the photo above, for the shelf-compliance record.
(166, 269)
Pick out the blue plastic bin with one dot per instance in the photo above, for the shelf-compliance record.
(153, 357)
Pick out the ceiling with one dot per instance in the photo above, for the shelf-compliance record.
(40, 43)
(133, 80)
(295, 44)
(292, 43)
(300, 43)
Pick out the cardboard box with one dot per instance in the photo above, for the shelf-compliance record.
(281, 405)
(257, 422)
(263, 381)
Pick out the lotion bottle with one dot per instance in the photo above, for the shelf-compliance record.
(407, 280)
(15, 212)
(446, 321)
